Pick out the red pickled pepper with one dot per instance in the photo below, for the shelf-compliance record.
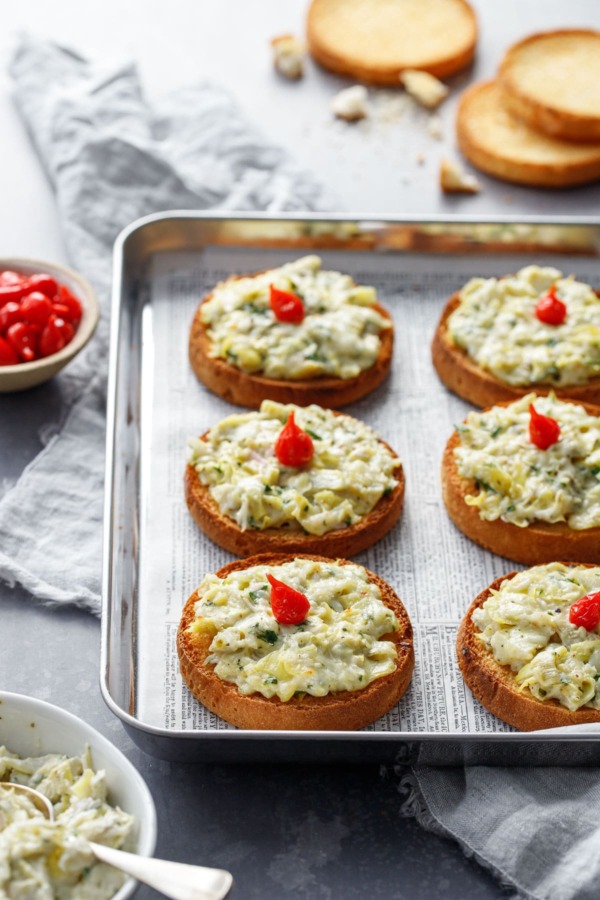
(290, 607)
(586, 611)
(293, 447)
(550, 309)
(287, 307)
(543, 430)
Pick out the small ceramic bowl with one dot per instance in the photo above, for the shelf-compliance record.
(30, 727)
(28, 374)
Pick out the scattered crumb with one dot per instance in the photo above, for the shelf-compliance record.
(426, 89)
(435, 128)
(390, 106)
(420, 158)
(453, 180)
(288, 56)
(351, 103)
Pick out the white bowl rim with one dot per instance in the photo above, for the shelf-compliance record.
(89, 320)
(32, 705)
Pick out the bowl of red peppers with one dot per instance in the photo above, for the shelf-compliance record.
(48, 313)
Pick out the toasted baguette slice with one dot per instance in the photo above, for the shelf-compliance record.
(374, 40)
(344, 542)
(340, 711)
(465, 377)
(539, 542)
(494, 685)
(499, 143)
(552, 81)
(245, 389)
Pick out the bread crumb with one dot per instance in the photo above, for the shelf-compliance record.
(426, 89)
(453, 180)
(351, 103)
(288, 56)
(434, 128)
(420, 158)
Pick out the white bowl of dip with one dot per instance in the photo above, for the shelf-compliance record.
(30, 727)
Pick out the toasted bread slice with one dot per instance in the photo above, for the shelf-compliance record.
(494, 685)
(462, 374)
(340, 711)
(292, 538)
(374, 40)
(249, 389)
(551, 80)
(499, 143)
(538, 542)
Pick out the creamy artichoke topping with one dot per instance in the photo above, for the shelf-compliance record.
(336, 648)
(348, 474)
(42, 860)
(520, 483)
(496, 325)
(338, 336)
(525, 624)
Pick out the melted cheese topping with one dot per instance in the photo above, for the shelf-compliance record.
(525, 624)
(338, 336)
(519, 483)
(496, 325)
(348, 474)
(336, 648)
(40, 859)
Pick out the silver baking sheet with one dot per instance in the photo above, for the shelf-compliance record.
(154, 555)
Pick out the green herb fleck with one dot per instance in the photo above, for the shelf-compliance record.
(268, 636)
(313, 434)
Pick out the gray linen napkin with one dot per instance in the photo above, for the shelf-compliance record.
(112, 158)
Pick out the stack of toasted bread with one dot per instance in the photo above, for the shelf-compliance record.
(538, 123)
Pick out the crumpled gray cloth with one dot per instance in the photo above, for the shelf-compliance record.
(111, 158)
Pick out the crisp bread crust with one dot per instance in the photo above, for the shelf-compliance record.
(462, 375)
(539, 542)
(551, 115)
(338, 42)
(340, 711)
(498, 143)
(494, 684)
(249, 390)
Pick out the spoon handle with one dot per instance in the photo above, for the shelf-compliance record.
(175, 880)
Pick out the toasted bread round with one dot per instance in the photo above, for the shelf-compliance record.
(246, 389)
(552, 81)
(494, 685)
(539, 542)
(375, 40)
(462, 375)
(343, 542)
(340, 711)
(497, 142)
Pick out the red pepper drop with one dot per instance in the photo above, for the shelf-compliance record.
(543, 431)
(550, 309)
(586, 612)
(8, 354)
(23, 338)
(286, 307)
(289, 606)
(293, 446)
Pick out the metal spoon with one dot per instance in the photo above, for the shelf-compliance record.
(175, 880)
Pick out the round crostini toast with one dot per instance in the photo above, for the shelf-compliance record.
(500, 144)
(295, 480)
(375, 41)
(500, 338)
(521, 655)
(551, 80)
(294, 334)
(522, 479)
(297, 643)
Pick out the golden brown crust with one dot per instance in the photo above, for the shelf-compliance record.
(344, 542)
(498, 143)
(538, 543)
(494, 684)
(551, 97)
(244, 389)
(342, 711)
(435, 36)
(465, 377)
